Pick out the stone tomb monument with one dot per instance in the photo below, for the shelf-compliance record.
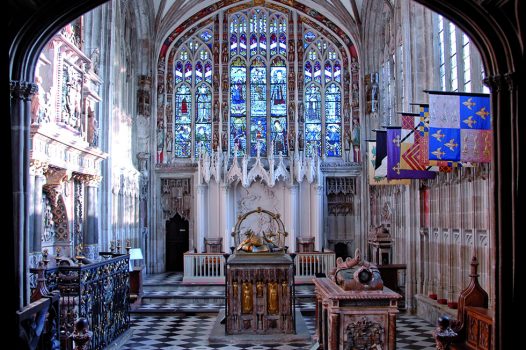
(260, 278)
(353, 308)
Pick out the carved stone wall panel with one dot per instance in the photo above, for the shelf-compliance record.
(176, 197)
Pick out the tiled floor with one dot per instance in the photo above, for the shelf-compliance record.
(191, 332)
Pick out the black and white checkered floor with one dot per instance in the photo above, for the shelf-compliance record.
(191, 332)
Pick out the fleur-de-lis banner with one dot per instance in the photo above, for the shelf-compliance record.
(459, 127)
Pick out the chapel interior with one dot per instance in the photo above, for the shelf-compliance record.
(267, 170)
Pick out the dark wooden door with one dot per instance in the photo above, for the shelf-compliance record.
(176, 243)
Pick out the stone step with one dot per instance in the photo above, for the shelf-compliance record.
(192, 307)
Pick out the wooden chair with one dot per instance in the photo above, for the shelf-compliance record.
(473, 327)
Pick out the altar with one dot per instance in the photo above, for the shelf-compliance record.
(260, 278)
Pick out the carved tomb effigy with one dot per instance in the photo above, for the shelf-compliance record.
(354, 310)
(260, 278)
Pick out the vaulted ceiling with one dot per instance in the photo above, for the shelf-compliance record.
(168, 14)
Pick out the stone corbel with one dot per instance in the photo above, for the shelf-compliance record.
(55, 179)
(92, 180)
(22, 89)
(37, 167)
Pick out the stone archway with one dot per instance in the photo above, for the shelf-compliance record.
(494, 26)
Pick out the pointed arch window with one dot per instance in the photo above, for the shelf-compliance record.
(261, 68)
(322, 97)
(192, 106)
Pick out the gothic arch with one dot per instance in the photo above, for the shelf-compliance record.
(494, 26)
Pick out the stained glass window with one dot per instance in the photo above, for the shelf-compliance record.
(183, 123)
(322, 69)
(256, 44)
(238, 105)
(192, 107)
(264, 67)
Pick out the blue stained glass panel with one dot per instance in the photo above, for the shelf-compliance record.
(238, 93)
(238, 128)
(178, 72)
(206, 35)
(258, 133)
(273, 44)
(203, 138)
(278, 95)
(337, 72)
(208, 72)
(333, 145)
(203, 105)
(188, 72)
(312, 104)
(258, 91)
(198, 72)
(278, 134)
(182, 149)
(243, 45)
(183, 105)
(263, 44)
(308, 72)
(309, 37)
(312, 139)
(233, 45)
(183, 133)
(253, 45)
(317, 72)
(328, 72)
(333, 104)
(282, 44)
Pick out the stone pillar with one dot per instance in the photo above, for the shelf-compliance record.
(200, 219)
(317, 218)
(20, 107)
(225, 224)
(293, 223)
(37, 169)
(54, 187)
(91, 232)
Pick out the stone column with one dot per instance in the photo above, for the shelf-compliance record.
(91, 231)
(54, 187)
(317, 218)
(293, 224)
(200, 219)
(37, 169)
(224, 217)
(20, 107)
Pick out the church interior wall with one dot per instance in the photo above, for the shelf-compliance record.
(458, 226)
(436, 246)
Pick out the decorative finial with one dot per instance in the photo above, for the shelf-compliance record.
(44, 257)
(57, 255)
(79, 255)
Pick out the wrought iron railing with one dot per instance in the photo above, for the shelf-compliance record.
(97, 292)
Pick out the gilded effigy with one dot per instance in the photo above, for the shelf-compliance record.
(259, 278)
